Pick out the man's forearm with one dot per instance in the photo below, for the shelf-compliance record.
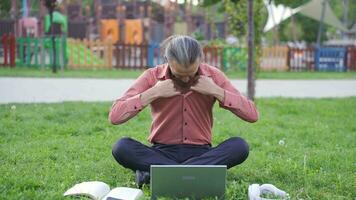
(148, 96)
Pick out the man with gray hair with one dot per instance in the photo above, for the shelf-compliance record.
(181, 94)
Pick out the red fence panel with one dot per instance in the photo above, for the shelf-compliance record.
(9, 49)
(213, 56)
(131, 56)
(351, 58)
(301, 59)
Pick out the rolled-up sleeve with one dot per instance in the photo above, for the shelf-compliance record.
(130, 103)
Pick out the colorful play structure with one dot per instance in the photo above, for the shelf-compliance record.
(84, 33)
(126, 34)
(121, 21)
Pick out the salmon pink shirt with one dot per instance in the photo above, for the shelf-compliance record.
(186, 118)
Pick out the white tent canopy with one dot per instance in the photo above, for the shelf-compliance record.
(277, 14)
(312, 9)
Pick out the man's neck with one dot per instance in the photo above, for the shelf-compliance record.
(182, 85)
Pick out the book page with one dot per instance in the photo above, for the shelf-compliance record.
(93, 189)
(124, 193)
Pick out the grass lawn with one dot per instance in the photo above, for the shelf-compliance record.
(119, 73)
(47, 148)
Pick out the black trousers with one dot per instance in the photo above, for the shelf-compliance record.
(136, 156)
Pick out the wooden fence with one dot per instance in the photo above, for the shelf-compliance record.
(274, 58)
(301, 59)
(76, 53)
(142, 56)
(214, 56)
(89, 54)
(131, 56)
(283, 58)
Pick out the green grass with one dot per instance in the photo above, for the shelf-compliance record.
(47, 148)
(119, 73)
(82, 73)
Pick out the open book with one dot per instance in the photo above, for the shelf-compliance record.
(97, 190)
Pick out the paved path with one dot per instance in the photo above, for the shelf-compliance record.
(36, 90)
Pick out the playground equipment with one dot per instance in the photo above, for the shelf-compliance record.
(60, 23)
(133, 31)
(7, 26)
(234, 59)
(154, 55)
(78, 25)
(28, 27)
(109, 30)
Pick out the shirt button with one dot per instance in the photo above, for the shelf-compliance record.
(185, 109)
(229, 104)
(185, 123)
(135, 107)
(185, 138)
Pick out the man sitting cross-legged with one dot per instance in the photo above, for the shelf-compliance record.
(181, 94)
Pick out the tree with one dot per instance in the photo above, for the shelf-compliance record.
(238, 17)
(239, 13)
(5, 7)
(293, 26)
(339, 9)
(250, 72)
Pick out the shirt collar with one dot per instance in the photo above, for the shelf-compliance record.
(164, 73)
(204, 70)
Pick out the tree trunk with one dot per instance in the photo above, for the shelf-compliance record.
(54, 67)
(346, 13)
(294, 33)
(321, 23)
(250, 71)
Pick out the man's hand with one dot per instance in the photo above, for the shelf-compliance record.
(207, 86)
(162, 89)
(165, 89)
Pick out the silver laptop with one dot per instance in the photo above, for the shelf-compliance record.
(188, 181)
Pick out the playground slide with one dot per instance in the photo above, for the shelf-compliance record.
(80, 54)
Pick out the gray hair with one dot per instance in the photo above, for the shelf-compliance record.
(183, 49)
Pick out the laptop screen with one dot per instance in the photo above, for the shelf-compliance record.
(192, 181)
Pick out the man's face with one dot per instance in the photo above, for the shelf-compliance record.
(184, 74)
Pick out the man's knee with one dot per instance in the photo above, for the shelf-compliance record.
(121, 149)
(239, 150)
